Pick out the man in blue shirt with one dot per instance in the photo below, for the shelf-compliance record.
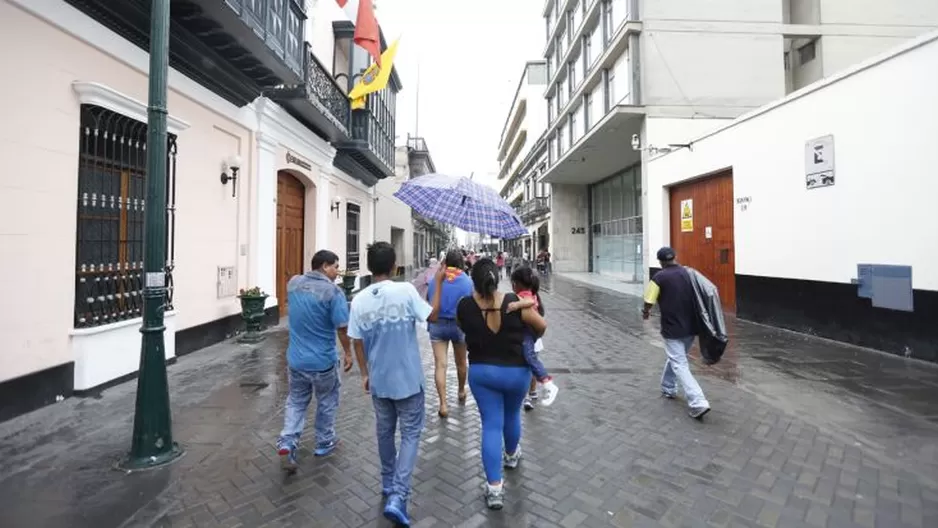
(383, 323)
(318, 312)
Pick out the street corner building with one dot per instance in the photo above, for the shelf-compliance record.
(805, 212)
(636, 94)
(266, 163)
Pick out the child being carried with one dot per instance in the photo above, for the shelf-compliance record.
(526, 284)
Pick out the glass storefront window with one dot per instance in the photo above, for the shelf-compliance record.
(616, 226)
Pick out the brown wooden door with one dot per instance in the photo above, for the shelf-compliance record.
(291, 199)
(715, 257)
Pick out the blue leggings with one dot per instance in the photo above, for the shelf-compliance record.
(499, 392)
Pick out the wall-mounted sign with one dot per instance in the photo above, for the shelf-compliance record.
(687, 215)
(819, 162)
(293, 160)
(743, 202)
(708, 232)
(577, 230)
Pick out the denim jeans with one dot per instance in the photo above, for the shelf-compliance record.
(397, 466)
(531, 356)
(446, 330)
(677, 370)
(499, 392)
(302, 385)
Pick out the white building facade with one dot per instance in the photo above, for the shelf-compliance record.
(669, 71)
(522, 159)
(805, 211)
(256, 184)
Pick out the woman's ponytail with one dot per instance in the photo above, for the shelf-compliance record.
(485, 277)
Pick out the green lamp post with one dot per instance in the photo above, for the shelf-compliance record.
(153, 443)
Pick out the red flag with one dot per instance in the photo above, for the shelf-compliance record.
(342, 2)
(367, 32)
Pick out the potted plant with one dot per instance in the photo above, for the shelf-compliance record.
(252, 311)
(348, 281)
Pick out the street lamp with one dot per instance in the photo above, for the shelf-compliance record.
(153, 443)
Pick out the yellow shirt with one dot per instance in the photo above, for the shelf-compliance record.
(651, 292)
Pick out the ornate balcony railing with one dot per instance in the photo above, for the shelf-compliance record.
(319, 102)
(418, 144)
(323, 90)
(533, 208)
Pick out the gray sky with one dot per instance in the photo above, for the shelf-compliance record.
(471, 55)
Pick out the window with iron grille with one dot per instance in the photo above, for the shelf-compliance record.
(112, 178)
(353, 215)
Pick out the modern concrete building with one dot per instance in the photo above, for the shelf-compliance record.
(804, 212)
(665, 72)
(522, 159)
(267, 165)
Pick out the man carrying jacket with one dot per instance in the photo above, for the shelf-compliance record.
(672, 289)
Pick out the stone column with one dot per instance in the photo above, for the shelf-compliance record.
(265, 254)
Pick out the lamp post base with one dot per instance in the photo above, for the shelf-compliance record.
(251, 337)
(133, 464)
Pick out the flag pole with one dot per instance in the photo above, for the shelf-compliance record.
(417, 118)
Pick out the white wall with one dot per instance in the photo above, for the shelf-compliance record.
(713, 10)
(393, 213)
(883, 200)
(837, 53)
(569, 208)
(40, 149)
(715, 73)
(891, 13)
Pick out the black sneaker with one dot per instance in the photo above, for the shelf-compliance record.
(530, 401)
(698, 414)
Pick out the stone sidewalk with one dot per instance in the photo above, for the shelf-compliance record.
(804, 432)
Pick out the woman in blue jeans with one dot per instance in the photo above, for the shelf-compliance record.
(494, 324)
(444, 330)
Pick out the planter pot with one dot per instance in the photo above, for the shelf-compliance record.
(252, 311)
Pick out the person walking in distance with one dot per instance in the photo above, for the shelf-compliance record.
(444, 331)
(383, 325)
(672, 289)
(318, 311)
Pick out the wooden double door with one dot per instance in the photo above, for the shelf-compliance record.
(291, 211)
(702, 231)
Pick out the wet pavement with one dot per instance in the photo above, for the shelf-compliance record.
(804, 432)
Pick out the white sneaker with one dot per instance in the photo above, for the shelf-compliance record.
(548, 392)
(511, 461)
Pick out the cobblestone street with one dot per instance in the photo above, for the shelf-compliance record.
(804, 432)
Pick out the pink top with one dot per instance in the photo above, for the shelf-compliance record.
(526, 294)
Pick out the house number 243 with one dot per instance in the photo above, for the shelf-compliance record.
(577, 230)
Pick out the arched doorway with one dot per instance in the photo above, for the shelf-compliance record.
(291, 205)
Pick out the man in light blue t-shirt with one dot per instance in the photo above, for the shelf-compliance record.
(318, 313)
(383, 325)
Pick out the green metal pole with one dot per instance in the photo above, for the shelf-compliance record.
(153, 431)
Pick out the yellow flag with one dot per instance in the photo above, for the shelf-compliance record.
(375, 78)
(358, 104)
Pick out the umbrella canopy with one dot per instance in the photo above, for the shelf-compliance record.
(463, 203)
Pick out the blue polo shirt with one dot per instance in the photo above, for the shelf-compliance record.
(317, 308)
(384, 317)
(454, 288)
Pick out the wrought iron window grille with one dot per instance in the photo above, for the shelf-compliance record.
(110, 218)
